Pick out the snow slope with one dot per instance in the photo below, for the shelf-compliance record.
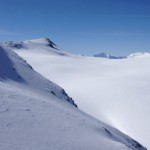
(37, 114)
(115, 91)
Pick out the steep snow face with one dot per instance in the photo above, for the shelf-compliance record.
(8, 70)
(104, 55)
(115, 91)
(35, 114)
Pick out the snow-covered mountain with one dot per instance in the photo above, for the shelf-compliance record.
(38, 42)
(37, 114)
(134, 55)
(109, 90)
(104, 55)
(36, 45)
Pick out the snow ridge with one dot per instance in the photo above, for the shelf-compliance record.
(19, 70)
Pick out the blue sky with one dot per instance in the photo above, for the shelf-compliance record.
(87, 27)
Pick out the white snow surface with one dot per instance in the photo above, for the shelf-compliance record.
(32, 117)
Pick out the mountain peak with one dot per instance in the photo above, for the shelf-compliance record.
(45, 41)
(40, 42)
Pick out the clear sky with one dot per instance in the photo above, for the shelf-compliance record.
(88, 27)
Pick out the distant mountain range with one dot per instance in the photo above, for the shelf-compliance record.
(105, 55)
